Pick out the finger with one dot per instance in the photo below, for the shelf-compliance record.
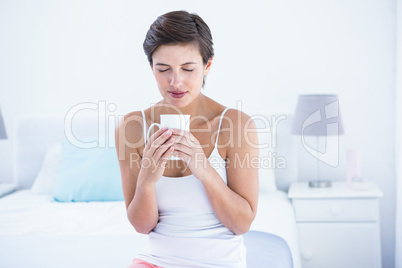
(159, 141)
(156, 135)
(162, 139)
(181, 132)
(182, 148)
(186, 142)
(162, 148)
(182, 156)
(188, 154)
(166, 155)
(185, 135)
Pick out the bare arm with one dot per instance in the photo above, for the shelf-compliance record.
(234, 204)
(139, 174)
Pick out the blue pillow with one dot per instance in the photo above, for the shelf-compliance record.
(88, 175)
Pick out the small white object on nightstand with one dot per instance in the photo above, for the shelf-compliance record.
(338, 226)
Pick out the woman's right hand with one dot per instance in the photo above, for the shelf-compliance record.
(155, 156)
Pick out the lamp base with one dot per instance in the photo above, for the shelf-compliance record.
(319, 184)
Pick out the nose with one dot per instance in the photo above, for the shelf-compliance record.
(176, 80)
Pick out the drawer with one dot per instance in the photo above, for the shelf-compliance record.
(336, 209)
(339, 244)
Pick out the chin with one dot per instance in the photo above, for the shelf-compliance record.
(179, 104)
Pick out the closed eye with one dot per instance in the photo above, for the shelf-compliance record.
(162, 71)
(188, 70)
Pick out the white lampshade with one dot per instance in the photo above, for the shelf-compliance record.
(317, 115)
(3, 134)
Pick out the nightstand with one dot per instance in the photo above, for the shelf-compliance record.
(338, 226)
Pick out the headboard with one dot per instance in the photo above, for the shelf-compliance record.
(35, 133)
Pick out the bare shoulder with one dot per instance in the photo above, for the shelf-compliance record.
(129, 132)
(241, 156)
(238, 126)
(132, 120)
(239, 118)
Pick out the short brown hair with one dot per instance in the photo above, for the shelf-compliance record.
(179, 27)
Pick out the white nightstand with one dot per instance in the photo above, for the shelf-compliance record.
(338, 227)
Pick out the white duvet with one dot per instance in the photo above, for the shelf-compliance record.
(26, 213)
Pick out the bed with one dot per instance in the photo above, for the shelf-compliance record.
(38, 231)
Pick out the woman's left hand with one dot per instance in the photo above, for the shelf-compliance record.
(189, 149)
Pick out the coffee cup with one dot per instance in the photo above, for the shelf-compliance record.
(179, 121)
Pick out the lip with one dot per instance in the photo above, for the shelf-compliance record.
(177, 94)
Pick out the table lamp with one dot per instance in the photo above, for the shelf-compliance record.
(317, 115)
(3, 134)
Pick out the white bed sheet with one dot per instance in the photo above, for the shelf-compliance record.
(25, 215)
(275, 215)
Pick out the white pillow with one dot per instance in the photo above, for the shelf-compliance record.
(266, 172)
(267, 180)
(7, 188)
(47, 175)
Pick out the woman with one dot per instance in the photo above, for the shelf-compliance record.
(195, 209)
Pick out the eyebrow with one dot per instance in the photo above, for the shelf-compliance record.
(163, 64)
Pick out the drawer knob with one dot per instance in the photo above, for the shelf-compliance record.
(335, 210)
(307, 254)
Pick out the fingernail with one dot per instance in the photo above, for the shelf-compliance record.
(164, 128)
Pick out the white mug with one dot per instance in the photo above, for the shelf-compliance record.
(179, 121)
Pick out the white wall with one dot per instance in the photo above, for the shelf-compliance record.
(398, 242)
(56, 54)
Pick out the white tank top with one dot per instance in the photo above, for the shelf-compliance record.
(188, 234)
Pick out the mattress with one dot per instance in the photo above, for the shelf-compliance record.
(38, 231)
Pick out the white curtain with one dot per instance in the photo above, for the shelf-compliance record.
(398, 242)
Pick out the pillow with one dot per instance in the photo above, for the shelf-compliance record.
(266, 173)
(266, 179)
(7, 188)
(47, 175)
(88, 175)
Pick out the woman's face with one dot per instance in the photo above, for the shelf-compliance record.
(179, 73)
